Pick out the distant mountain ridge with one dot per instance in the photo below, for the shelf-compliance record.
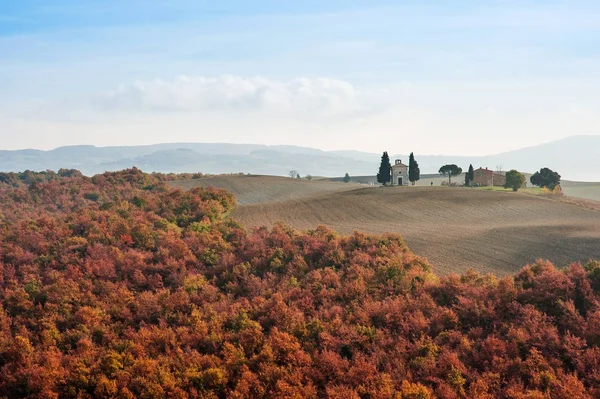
(576, 158)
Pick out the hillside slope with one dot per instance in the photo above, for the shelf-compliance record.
(455, 228)
(258, 189)
(278, 160)
(118, 286)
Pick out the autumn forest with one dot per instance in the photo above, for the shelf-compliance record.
(119, 286)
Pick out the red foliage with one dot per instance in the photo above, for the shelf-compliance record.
(118, 286)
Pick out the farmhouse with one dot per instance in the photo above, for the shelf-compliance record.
(487, 177)
(399, 173)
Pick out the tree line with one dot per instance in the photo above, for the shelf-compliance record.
(545, 177)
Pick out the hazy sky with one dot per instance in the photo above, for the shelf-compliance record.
(454, 77)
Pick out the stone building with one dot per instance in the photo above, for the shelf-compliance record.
(488, 177)
(399, 174)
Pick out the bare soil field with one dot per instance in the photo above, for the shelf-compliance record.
(582, 190)
(455, 228)
(251, 189)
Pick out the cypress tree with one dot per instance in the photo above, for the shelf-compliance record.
(471, 174)
(384, 176)
(414, 173)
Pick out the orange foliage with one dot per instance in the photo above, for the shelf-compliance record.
(118, 286)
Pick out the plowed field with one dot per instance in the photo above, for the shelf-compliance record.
(455, 228)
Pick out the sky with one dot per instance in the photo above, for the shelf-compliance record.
(462, 77)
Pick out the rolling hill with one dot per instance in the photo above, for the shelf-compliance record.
(576, 158)
(262, 189)
(455, 228)
(118, 286)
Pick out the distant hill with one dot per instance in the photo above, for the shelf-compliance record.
(576, 158)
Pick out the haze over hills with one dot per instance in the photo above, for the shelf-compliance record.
(576, 158)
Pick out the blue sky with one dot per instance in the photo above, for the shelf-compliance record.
(432, 77)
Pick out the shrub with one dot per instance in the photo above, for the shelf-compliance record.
(154, 293)
(514, 180)
(556, 191)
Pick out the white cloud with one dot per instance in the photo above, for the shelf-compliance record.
(297, 97)
(441, 117)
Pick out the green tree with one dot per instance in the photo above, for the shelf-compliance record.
(514, 180)
(384, 176)
(414, 173)
(469, 176)
(450, 170)
(545, 178)
(346, 178)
